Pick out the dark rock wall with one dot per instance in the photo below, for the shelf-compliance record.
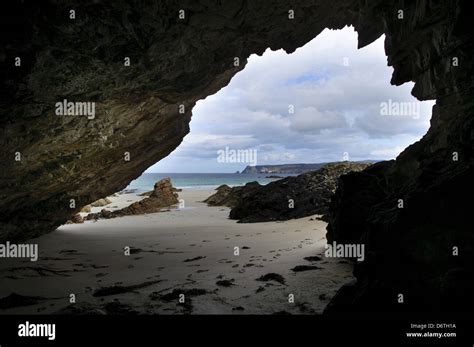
(409, 250)
(177, 62)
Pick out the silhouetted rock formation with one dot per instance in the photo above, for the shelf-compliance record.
(292, 197)
(231, 197)
(423, 251)
(162, 196)
(220, 196)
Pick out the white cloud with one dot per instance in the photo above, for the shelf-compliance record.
(310, 119)
(386, 152)
(337, 109)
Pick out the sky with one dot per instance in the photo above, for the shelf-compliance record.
(327, 101)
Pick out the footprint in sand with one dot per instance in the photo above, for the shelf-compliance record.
(225, 261)
(68, 251)
(99, 266)
(300, 268)
(225, 283)
(272, 277)
(193, 259)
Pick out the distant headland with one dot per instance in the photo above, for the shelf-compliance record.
(288, 168)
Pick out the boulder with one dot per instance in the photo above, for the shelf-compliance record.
(231, 197)
(162, 196)
(292, 197)
(220, 196)
(76, 219)
(86, 209)
(101, 202)
(151, 191)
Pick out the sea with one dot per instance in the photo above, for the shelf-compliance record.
(198, 180)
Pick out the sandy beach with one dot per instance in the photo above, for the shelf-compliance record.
(190, 251)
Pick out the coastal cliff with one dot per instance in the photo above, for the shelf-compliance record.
(282, 169)
(289, 168)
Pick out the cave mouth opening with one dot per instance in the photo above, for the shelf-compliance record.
(425, 45)
(326, 102)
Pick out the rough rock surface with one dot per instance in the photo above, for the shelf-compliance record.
(76, 219)
(162, 196)
(86, 209)
(220, 196)
(231, 197)
(151, 192)
(425, 249)
(292, 197)
(101, 202)
(177, 62)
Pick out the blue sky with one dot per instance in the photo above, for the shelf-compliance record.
(335, 92)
